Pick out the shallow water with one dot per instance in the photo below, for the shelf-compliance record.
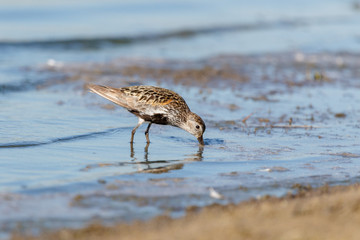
(65, 157)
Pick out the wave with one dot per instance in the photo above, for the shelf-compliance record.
(19, 86)
(26, 84)
(93, 43)
(25, 144)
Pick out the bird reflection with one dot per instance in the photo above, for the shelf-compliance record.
(198, 156)
(146, 152)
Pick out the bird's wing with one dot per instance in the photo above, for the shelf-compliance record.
(146, 104)
(150, 95)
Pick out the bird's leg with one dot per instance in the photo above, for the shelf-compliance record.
(141, 121)
(147, 133)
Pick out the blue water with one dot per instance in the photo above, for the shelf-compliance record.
(58, 142)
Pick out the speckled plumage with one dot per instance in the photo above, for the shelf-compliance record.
(154, 105)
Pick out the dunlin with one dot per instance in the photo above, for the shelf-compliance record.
(154, 105)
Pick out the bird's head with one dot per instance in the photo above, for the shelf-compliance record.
(195, 125)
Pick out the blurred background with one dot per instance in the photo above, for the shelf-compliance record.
(265, 61)
(178, 29)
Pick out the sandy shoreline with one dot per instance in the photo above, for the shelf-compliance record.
(322, 213)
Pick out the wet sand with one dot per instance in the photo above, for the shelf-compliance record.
(311, 213)
(321, 213)
(276, 123)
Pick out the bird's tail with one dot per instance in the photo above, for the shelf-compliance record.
(110, 93)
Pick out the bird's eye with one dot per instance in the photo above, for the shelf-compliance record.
(197, 126)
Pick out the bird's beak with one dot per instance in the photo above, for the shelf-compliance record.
(201, 140)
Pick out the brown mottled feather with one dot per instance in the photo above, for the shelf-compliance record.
(147, 102)
(153, 95)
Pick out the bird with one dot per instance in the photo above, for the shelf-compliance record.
(154, 105)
